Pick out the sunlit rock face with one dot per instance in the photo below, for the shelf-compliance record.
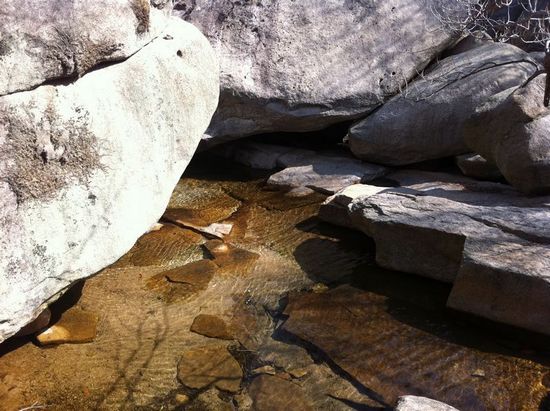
(303, 65)
(42, 40)
(86, 168)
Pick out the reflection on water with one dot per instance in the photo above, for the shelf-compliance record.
(369, 337)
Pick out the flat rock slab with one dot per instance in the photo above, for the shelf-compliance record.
(74, 326)
(183, 282)
(489, 240)
(277, 78)
(202, 367)
(326, 174)
(303, 171)
(231, 259)
(413, 403)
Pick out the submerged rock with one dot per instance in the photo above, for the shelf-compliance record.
(275, 77)
(74, 326)
(486, 238)
(86, 168)
(203, 367)
(43, 40)
(513, 135)
(413, 403)
(272, 393)
(230, 258)
(426, 120)
(182, 282)
(211, 326)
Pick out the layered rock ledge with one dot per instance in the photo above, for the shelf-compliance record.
(487, 239)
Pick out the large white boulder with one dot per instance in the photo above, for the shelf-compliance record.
(86, 168)
(302, 65)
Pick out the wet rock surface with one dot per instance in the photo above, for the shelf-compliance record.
(272, 393)
(327, 280)
(211, 326)
(372, 337)
(202, 367)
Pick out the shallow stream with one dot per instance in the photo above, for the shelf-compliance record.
(313, 322)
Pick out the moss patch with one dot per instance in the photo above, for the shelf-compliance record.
(42, 157)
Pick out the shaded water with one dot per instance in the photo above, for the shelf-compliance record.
(369, 337)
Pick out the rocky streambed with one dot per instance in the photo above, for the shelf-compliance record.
(243, 299)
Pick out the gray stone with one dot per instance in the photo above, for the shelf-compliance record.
(303, 65)
(43, 40)
(87, 168)
(326, 174)
(513, 134)
(475, 166)
(486, 238)
(413, 403)
(426, 120)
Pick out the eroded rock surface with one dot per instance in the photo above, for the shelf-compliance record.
(426, 120)
(354, 56)
(486, 238)
(85, 169)
(271, 393)
(54, 39)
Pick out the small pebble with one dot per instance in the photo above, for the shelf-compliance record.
(182, 399)
(478, 373)
(266, 369)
